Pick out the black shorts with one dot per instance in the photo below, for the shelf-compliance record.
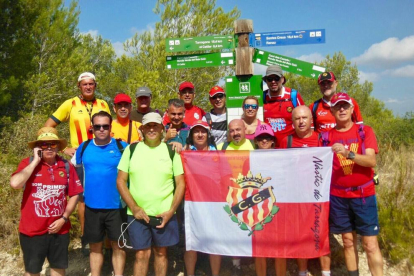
(36, 249)
(101, 221)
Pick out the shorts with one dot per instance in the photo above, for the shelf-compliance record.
(354, 214)
(37, 248)
(101, 221)
(142, 235)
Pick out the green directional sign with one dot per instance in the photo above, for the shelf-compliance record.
(288, 64)
(200, 60)
(201, 43)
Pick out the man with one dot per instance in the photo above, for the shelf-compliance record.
(151, 197)
(177, 130)
(279, 102)
(323, 119)
(103, 212)
(353, 208)
(47, 180)
(143, 97)
(237, 132)
(192, 113)
(217, 118)
(123, 127)
(79, 111)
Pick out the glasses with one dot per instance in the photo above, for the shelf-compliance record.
(270, 79)
(345, 106)
(98, 127)
(187, 92)
(253, 106)
(52, 176)
(219, 96)
(48, 146)
(264, 137)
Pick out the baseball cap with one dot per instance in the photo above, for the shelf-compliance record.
(215, 90)
(329, 76)
(86, 75)
(143, 91)
(185, 85)
(122, 98)
(152, 117)
(341, 97)
(202, 124)
(274, 70)
(263, 129)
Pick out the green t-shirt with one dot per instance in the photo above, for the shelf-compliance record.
(151, 176)
(247, 145)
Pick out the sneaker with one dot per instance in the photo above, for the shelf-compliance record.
(236, 271)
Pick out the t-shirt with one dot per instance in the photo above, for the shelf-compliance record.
(120, 131)
(44, 196)
(325, 121)
(311, 141)
(247, 145)
(218, 126)
(277, 112)
(100, 166)
(346, 172)
(191, 115)
(182, 134)
(137, 116)
(151, 173)
(251, 135)
(76, 111)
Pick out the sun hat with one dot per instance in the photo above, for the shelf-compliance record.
(48, 134)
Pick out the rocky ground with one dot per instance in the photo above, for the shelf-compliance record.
(79, 265)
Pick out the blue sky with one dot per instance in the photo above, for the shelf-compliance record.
(376, 35)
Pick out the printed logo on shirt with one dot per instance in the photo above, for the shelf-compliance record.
(49, 200)
(322, 113)
(196, 116)
(277, 124)
(80, 111)
(346, 164)
(61, 174)
(289, 109)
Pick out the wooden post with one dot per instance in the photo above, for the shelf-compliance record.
(244, 54)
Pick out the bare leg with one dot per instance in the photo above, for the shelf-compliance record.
(302, 264)
(141, 261)
(190, 260)
(30, 274)
(350, 251)
(215, 263)
(160, 261)
(280, 266)
(96, 258)
(375, 261)
(57, 272)
(118, 258)
(81, 213)
(260, 264)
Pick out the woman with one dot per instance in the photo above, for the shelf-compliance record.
(264, 137)
(250, 107)
(47, 181)
(200, 138)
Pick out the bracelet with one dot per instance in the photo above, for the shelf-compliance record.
(65, 219)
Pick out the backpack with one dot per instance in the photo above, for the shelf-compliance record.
(226, 144)
(209, 120)
(293, 98)
(314, 108)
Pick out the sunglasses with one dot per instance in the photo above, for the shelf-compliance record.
(98, 127)
(187, 92)
(264, 137)
(48, 146)
(345, 106)
(218, 96)
(270, 79)
(253, 106)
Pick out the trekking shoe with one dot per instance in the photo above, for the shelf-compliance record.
(236, 271)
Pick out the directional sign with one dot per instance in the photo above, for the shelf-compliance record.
(288, 64)
(287, 38)
(201, 43)
(201, 60)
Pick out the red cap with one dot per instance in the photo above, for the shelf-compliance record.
(201, 123)
(215, 90)
(185, 85)
(329, 76)
(341, 97)
(122, 98)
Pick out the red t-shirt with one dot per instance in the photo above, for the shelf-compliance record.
(191, 115)
(277, 112)
(346, 172)
(311, 141)
(44, 197)
(325, 121)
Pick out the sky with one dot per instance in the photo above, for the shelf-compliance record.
(377, 36)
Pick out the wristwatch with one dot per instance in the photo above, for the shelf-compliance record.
(351, 155)
(65, 219)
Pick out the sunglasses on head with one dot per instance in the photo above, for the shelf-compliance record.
(98, 127)
(253, 106)
(218, 96)
(270, 79)
(48, 145)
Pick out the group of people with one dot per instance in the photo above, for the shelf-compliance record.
(130, 170)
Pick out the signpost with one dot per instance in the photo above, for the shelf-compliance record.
(287, 38)
(288, 64)
(200, 60)
(201, 43)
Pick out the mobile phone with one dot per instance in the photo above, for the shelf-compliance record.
(39, 153)
(154, 221)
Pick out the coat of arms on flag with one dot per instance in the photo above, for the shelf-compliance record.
(251, 206)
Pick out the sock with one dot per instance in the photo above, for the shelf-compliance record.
(303, 273)
(326, 273)
(353, 273)
(236, 262)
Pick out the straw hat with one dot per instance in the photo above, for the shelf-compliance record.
(48, 134)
